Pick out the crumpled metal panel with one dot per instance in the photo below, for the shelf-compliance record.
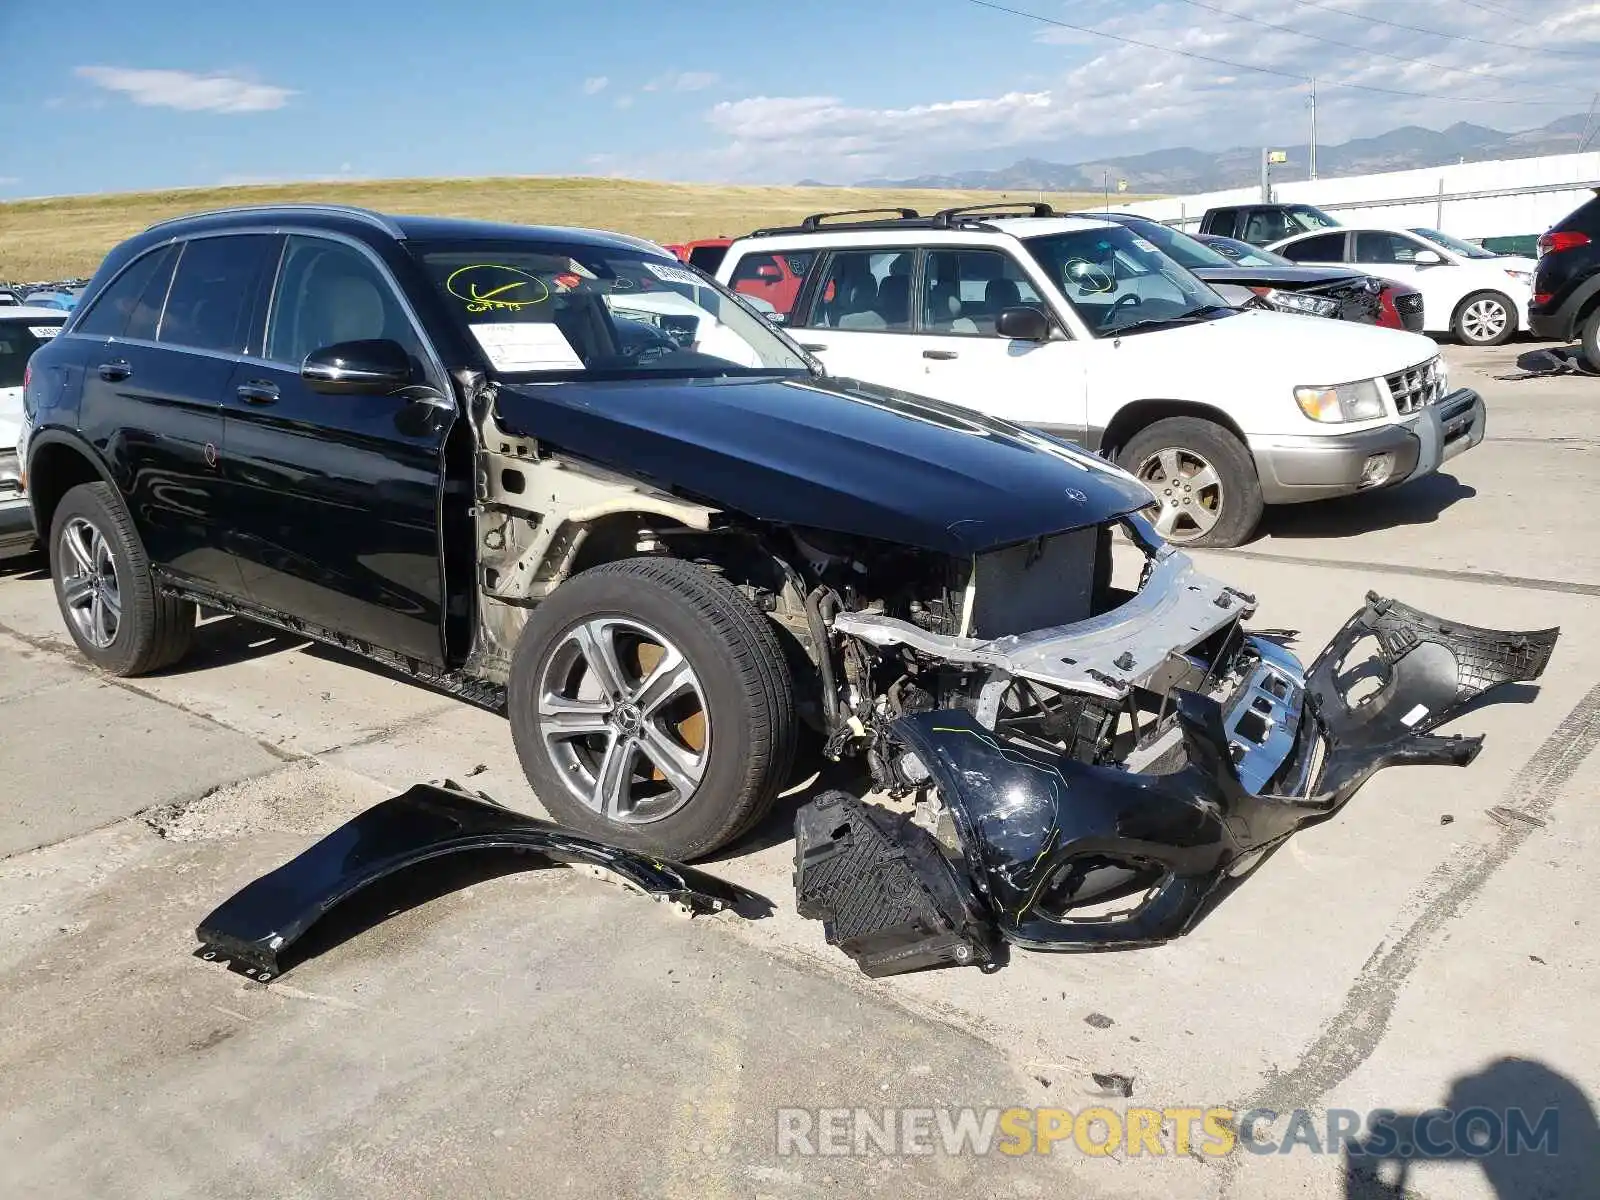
(1045, 838)
(256, 925)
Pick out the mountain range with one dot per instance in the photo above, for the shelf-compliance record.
(1184, 169)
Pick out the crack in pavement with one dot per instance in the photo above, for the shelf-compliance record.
(1489, 578)
(1352, 1035)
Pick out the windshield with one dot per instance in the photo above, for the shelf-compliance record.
(1465, 249)
(1121, 282)
(1179, 245)
(540, 308)
(1247, 255)
(1309, 218)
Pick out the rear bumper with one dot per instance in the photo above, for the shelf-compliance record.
(16, 527)
(1294, 469)
(1552, 326)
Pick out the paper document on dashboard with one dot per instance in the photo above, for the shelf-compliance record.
(521, 346)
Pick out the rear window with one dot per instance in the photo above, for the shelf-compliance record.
(707, 258)
(18, 340)
(1583, 219)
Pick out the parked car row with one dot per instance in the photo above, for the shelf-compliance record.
(665, 525)
(62, 294)
(1098, 331)
(23, 329)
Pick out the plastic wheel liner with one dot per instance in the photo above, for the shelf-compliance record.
(1056, 854)
(255, 926)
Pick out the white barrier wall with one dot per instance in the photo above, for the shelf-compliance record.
(1530, 212)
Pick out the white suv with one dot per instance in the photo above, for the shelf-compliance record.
(1085, 330)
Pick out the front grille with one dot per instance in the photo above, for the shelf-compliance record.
(1416, 387)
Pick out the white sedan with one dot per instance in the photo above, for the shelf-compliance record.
(1479, 297)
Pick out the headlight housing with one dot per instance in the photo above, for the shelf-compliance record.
(1359, 401)
(1521, 276)
(1295, 302)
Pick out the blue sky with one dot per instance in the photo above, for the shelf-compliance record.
(104, 96)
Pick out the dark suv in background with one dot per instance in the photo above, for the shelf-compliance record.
(1566, 285)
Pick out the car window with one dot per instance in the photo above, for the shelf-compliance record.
(1373, 246)
(1465, 249)
(707, 258)
(328, 293)
(1224, 223)
(865, 290)
(212, 292)
(551, 308)
(1327, 248)
(1266, 225)
(1305, 218)
(967, 289)
(18, 340)
(142, 282)
(772, 281)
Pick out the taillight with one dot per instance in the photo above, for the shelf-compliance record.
(1557, 240)
(1543, 298)
(27, 374)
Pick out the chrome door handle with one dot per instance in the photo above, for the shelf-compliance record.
(258, 392)
(116, 369)
(941, 354)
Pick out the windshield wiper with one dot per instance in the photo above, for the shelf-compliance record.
(1149, 323)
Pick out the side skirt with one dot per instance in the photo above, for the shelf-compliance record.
(460, 684)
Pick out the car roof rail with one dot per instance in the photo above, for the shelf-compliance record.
(341, 210)
(948, 216)
(815, 220)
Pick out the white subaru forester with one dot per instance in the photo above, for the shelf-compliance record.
(1085, 330)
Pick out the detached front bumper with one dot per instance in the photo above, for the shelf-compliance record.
(1050, 853)
(1294, 469)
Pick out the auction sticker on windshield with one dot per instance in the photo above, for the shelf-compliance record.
(519, 346)
(671, 274)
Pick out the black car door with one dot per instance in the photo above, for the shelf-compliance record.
(337, 497)
(166, 333)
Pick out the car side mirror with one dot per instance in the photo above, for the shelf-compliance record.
(1023, 323)
(1428, 258)
(372, 367)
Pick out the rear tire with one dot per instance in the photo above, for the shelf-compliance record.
(107, 595)
(1203, 478)
(606, 754)
(1589, 340)
(1484, 319)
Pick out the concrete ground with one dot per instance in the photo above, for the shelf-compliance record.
(546, 1031)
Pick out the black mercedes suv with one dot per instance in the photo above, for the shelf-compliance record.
(1566, 285)
(562, 475)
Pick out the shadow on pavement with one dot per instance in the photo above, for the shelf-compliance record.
(1417, 503)
(1530, 1129)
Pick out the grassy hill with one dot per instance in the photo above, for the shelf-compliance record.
(68, 236)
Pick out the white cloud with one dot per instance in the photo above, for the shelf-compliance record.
(1134, 99)
(624, 101)
(8, 180)
(693, 81)
(682, 81)
(595, 83)
(187, 91)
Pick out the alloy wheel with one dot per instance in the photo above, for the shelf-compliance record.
(89, 583)
(1187, 488)
(624, 719)
(1484, 320)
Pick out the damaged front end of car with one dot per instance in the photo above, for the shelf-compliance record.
(1013, 841)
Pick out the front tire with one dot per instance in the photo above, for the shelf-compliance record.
(105, 590)
(1485, 319)
(1203, 478)
(652, 706)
